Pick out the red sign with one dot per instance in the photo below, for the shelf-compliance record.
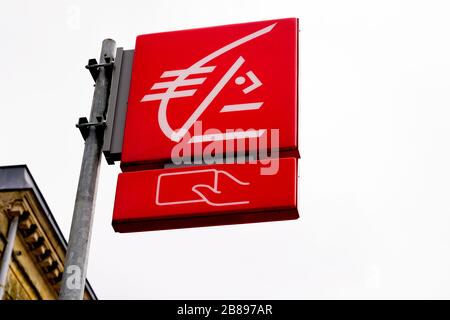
(239, 81)
(205, 195)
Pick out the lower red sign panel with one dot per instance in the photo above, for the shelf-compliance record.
(206, 195)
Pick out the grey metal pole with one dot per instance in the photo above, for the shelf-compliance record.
(7, 254)
(75, 266)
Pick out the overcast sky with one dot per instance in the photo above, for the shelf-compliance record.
(374, 174)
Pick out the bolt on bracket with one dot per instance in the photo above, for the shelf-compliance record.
(84, 125)
(94, 67)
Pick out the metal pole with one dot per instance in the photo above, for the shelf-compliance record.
(7, 254)
(75, 266)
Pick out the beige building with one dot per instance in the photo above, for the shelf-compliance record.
(32, 265)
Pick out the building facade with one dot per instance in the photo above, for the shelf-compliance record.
(33, 262)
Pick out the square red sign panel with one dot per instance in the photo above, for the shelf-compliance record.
(239, 81)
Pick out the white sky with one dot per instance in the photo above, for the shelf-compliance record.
(374, 186)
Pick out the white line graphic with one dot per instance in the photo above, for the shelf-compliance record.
(255, 80)
(188, 82)
(234, 44)
(195, 189)
(241, 107)
(227, 136)
(176, 94)
(176, 73)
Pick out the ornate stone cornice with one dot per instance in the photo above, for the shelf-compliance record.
(11, 204)
(41, 248)
(33, 234)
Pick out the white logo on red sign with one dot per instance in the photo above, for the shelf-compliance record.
(200, 68)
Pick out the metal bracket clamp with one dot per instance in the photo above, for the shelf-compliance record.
(93, 66)
(84, 125)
